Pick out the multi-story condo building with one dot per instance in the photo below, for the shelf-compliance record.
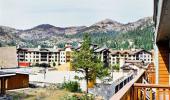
(65, 54)
(103, 54)
(59, 56)
(133, 54)
(33, 56)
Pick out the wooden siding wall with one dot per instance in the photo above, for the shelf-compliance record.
(163, 75)
(18, 81)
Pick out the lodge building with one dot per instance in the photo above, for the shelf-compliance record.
(133, 54)
(33, 56)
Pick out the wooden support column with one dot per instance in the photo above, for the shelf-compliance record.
(3, 86)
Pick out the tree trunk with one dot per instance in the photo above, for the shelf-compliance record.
(87, 89)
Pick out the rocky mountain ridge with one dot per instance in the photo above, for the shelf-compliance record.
(52, 35)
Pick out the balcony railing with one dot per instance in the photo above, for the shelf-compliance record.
(151, 92)
(126, 93)
(137, 89)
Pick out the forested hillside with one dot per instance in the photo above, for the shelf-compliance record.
(138, 38)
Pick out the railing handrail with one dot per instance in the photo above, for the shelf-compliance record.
(125, 88)
(140, 85)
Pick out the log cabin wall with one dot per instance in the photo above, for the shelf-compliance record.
(163, 62)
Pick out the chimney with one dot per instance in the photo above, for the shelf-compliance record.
(132, 49)
(55, 47)
(68, 44)
(79, 44)
(18, 46)
(39, 47)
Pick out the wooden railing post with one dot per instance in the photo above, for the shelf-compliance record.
(151, 94)
(169, 93)
(157, 94)
(164, 94)
(129, 95)
(144, 96)
(139, 94)
(135, 93)
(132, 93)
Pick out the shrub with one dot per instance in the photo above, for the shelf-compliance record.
(79, 97)
(37, 65)
(72, 86)
(54, 64)
(116, 67)
(44, 65)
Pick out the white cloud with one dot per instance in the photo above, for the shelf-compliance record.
(28, 13)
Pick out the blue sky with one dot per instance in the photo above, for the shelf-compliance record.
(24, 14)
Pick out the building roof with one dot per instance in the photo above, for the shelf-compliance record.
(138, 63)
(101, 49)
(40, 49)
(91, 47)
(6, 74)
(17, 70)
(130, 52)
(127, 67)
(8, 57)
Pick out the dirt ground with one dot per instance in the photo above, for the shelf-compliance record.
(38, 94)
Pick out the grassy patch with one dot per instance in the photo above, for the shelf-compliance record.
(38, 94)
